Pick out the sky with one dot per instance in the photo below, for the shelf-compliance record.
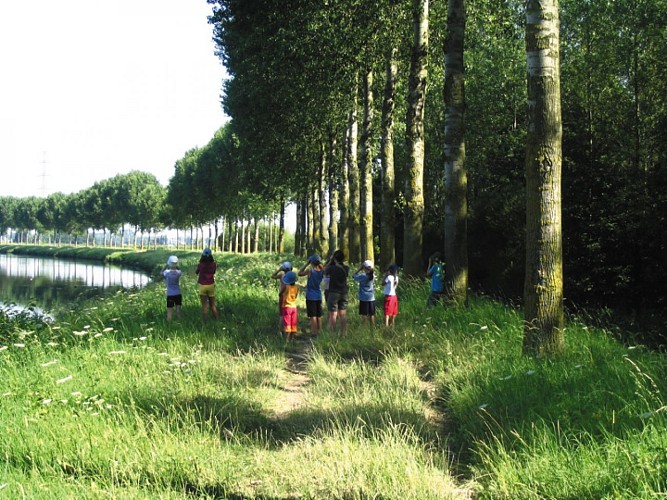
(90, 89)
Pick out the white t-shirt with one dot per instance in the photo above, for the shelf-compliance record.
(390, 284)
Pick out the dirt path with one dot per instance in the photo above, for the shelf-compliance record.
(293, 391)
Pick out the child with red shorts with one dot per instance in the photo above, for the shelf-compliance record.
(288, 309)
(390, 282)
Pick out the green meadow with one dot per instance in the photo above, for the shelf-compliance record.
(112, 401)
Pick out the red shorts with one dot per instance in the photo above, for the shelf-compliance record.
(290, 317)
(391, 305)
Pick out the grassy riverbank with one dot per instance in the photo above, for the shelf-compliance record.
(112, 401)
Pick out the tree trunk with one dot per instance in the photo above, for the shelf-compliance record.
(281, 228)
(321, 198)
(230, 232)
(271, 224)
(543, 287)
(255, 247)
(333, 197)
(249, 233)
(310, 205)
(456, 180)
(344, 201)
(353, 176)
(299, 233)
(387, 216)
(414, 190)
(366, 179)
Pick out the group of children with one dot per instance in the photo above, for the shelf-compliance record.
(327, 283)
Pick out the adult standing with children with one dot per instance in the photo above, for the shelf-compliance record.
(205, 271)
(337, 272)
(314, 292)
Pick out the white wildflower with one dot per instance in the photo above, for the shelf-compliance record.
(63, 380)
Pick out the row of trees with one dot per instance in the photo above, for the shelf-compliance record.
(109, 206)
(359, 111)
(205, 199)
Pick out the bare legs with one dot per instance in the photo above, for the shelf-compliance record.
(333, 316)
(208, 303)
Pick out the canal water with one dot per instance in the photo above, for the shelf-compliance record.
(47, 284)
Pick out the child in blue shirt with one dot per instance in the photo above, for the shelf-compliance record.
(436, 271)
(314, 292)
(365, 278)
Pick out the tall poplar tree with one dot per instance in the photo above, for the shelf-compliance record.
(456, 182)
(414, 190)
(366, 170)
(387, 217)
(543, 287)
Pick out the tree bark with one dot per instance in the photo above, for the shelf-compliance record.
(543, 287)
(353, 176)
(344, 200)
(281, 227)
(321, 198)
(333, 196)
(387, 216)
(414, 190)
(366, 171)
(456, 181)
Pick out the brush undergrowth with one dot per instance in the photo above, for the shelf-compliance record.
(112, 401)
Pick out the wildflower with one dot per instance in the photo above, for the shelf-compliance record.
(63, 380)
(117, 352)
(19, 345)
(530, 372)
(108, 329)
(49, 363)
(79, 334)
(482, 406)
(46, 401)
(76, 393)
(3, 347)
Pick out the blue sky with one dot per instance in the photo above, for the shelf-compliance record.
(92, 88)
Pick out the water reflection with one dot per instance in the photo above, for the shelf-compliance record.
(49, 283)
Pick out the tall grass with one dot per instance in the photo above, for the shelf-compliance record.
(114, 401)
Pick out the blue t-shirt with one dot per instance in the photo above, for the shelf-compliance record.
(313, 286)
(437, 274)
(172, 276)
(366, 291)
